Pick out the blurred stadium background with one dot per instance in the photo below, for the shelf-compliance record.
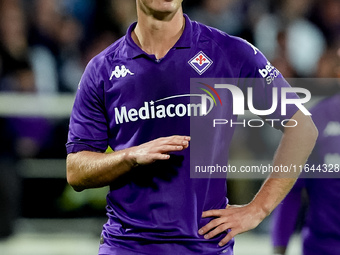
(44, 48)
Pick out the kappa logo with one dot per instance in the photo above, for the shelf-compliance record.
(200, 62)
(121, 71)
(256, 50)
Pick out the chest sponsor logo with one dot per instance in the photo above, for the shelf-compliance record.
(120, 71)
(200, 62)
(165, 108)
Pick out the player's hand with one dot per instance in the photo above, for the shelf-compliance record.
(157, 149)
(237, 218)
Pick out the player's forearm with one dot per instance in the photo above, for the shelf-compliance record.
(93, 170)
(296, 145)
(88, 169)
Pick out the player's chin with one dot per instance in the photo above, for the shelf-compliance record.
(169, 5)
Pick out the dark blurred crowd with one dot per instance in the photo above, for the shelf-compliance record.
(46, 44)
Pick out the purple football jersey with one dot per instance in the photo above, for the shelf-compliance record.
(321, 231)
(127, 97)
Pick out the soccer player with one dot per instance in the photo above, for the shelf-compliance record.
(143, 111)
(321, 225)
(321, 229)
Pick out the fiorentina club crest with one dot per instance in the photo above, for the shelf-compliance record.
(200, 62)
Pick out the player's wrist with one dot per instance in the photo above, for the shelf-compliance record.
(129, 158)
(260, 210)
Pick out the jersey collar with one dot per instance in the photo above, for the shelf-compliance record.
(184, 41)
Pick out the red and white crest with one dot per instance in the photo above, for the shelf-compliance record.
(200, 62)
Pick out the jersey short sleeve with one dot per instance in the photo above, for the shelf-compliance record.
(88, 129)
(265, 87)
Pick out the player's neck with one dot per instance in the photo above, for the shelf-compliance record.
(156, 36)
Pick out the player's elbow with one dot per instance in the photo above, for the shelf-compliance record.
(314, 132)
(72, 176)
(305, 129)
(310, 131)
(73, 182)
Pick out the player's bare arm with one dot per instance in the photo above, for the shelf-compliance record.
(294, 148)
(88, 169)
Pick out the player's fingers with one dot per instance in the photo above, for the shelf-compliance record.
(212, 213)
(185, 144)
(212, 224)
(180, 137)
(169, 148)
(150, 158)
(174, 140)
(179, 140)
(227, 238)
(159, 156)
(218, 230)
